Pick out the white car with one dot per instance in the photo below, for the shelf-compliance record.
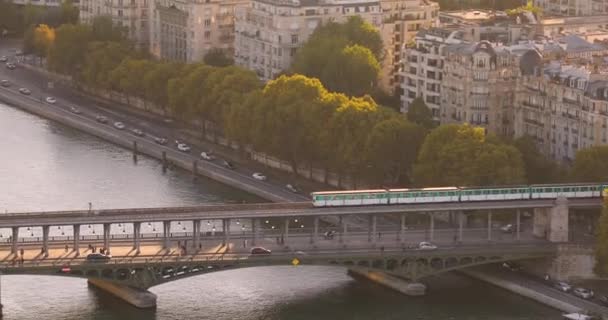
(75, 110)
(426, 246)
(3, 59)
(207, 156)
(137, 132)
(583, 293)
(291, 188)
(119, 125)
(508, 228)
(259, 176)
(51, 100)
(562, 286)
(25, 91)
(183, 147)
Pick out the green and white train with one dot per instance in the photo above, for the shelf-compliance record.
(456, 194)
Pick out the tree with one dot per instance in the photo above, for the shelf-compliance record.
(529, 7)
(69, 12)
(538, 168)
(217, 58)
(127, 76)
(185, 92)
(237, 123)
(463, 155)
(391, 148)
(418, 112)
(591, 164)
(101, 59)
(358, 69)
(11, 19)
(44, 37)
(156, 82)
(67, 54)
(103, 29)
(601, 247)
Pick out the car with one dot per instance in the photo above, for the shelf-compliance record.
(562, 286)
(19, 53)
(5, 83)
(137, 132)
(426, 246)
(508, 228)
(511, 266)
(183, 147)
(228, 165)
(604, 300)
(51, 100)
(207, 156)
(10, 66)
(161, 141)
(3, 59)
(292, 188)
(25, 91)
(583, 293)
(75, 110)
(119, 125)
(258, 176)
(260, 250)
(98, 257)
(329, 234)
(101, 119)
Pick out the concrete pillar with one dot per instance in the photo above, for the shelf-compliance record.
(432, 229)
(371, 235)
(196, 233)
(540, 222)
(254, 231)
(558, 221)
(76, 235)
(166, 234)
(106, 236)
(517, 224)
(401, 236)
(15, 240)
(136, 236)
(344, 232)
(45, 240)
(490, 225)
(341, 233)
(315, 230)
(286, 231)
(226, 227)
(461, 217)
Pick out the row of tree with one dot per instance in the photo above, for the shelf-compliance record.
(18, 19)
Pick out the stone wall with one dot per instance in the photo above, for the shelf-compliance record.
(573, 262)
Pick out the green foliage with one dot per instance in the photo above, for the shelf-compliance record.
(601, 247)
(462, 155)
(100, 60)
(67, 54)
(418, 112)
(529, 7)
(343, 56)
(538, 168)
(478, 4)
(69, 12)
(156, 82)
(591, 165)
(11, 18)
(103, 29)
(217, 58)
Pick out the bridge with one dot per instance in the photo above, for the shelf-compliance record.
(295, 232)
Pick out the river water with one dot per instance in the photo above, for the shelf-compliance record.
(46, 166)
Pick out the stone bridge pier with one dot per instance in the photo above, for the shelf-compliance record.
(552, 223)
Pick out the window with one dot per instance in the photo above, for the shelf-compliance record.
(294, 38)
(207, 22)
(207, 34)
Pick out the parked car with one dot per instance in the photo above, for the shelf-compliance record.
(260, 250)
(25, 91)
(511, 266)
(228, 165)
(426, 246)
(583, 293)
(75, 110)
(207, 156)
(3, 59)
(98, 257)
(119, 125)
(101, 119)
(292, 188)
(10, 66)
(51, 100)
(183, 147)
(508, 228)
(329, 234)
(137, 132)
(5, 83)
(604, 300)
(562, 286)
(258, 176)
(161, 141)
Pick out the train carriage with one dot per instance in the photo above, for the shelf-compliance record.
(350, 198)
(494, 193)
(426, 195)
(553, 191)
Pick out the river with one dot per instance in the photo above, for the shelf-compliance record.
(47, 166)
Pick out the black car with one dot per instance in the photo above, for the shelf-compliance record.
(329, 234)
(228, 165)
(161, 141)
(98, 257)
(260, 250)
(604, 300)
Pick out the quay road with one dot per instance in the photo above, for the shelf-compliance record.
(153, 127)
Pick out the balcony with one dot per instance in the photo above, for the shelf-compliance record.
(534, 122)
(531, 105)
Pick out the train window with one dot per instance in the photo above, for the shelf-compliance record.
(548, 189)
(566, 189)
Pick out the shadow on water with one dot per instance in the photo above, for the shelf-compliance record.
(109, 307)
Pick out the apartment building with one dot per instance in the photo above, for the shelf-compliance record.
(43, 3)
(185, 30)
(573, 7)
(564, 107)
(133, 15)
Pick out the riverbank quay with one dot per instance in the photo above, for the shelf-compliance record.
(538, 292)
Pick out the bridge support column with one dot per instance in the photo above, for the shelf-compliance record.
(490, 225)
(401, 234)
(137, 297)
(315, 231)
(196, 233)
(254, 231)
(226, 227)
(341, 234)
(461, 217)
(286, 232)
(166, 234)
(106, 237)
(136, 236)
(76, 235)
(432, 228)
(552, 223)
(517, 224)
(371, 234)
(45, 240)
(15, 240)
(344, 232)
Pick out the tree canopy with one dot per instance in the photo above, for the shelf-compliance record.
(601, 247)
(418, 112)
(218, 58)
(591, 165)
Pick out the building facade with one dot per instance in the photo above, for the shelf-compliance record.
(573, 7)
(186, 30)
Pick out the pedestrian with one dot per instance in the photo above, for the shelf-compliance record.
(66, 248)
(379, 235)
(22, 251)
(200, 245)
